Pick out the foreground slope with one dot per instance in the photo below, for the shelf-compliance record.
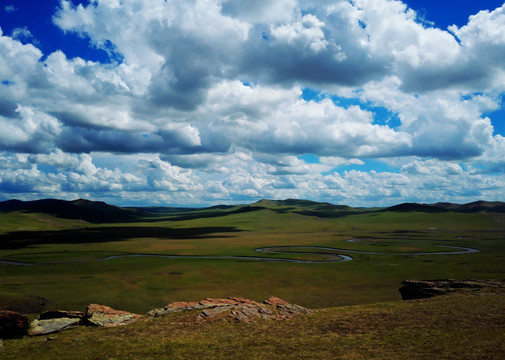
(459, 326)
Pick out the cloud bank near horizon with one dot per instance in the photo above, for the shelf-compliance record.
(215, 101)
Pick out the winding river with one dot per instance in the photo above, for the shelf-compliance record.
(331, 254)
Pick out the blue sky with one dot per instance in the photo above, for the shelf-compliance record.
(363, 102)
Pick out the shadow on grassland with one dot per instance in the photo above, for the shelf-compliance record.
(20, 239)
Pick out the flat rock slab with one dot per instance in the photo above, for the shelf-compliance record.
(12, 324)
(49, 326)
(101, 315)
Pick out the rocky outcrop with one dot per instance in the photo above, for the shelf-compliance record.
(176, 307)
(228, 309)
(421, 289)
(235, 309)
(55, 321)
(275, 301)
(12, 324)
(101, 315)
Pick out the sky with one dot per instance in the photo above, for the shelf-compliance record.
(204, 102)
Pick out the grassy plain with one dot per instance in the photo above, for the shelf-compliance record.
(65, 270)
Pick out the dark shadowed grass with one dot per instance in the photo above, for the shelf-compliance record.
(21, 239)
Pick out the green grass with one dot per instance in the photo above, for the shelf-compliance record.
(23, 221)
(139, 284)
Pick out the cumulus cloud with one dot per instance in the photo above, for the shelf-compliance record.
(210, 94)
(32, 132)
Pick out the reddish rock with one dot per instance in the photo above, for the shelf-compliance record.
(275, 301)
(102, 315)
(12, 324)
(176, 307)
(236, 309)
(243, 300)
(218, 302)
(183, 305)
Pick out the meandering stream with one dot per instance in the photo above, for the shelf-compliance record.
(331, 254)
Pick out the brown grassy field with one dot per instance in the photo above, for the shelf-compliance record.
(460, 326)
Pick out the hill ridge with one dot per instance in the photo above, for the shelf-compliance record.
(99, 211)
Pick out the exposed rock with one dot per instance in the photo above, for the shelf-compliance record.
(12, 324)
(215, 312)
(292, 309)
(222, 302)
(275, 301)
(49, 326)
(202, 304)
(55, 321)
(240, 300)
(56, 314)
(101, 315)
(420, 289)
(235, 309)
(176, 307)
(184, 305)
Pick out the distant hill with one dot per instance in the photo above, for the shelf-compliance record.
(473, 207)
(92, 211)
(100, 212)
(406, 207)
(308, 207)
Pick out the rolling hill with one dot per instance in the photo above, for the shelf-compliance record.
(101, 212)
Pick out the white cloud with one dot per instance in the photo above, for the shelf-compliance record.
(22, 34)
(32, 131)
(174, 108)
(306, 33)
(260, 11)
(10, 8)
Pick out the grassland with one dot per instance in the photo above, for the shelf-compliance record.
(65, 269)
(359, 312)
